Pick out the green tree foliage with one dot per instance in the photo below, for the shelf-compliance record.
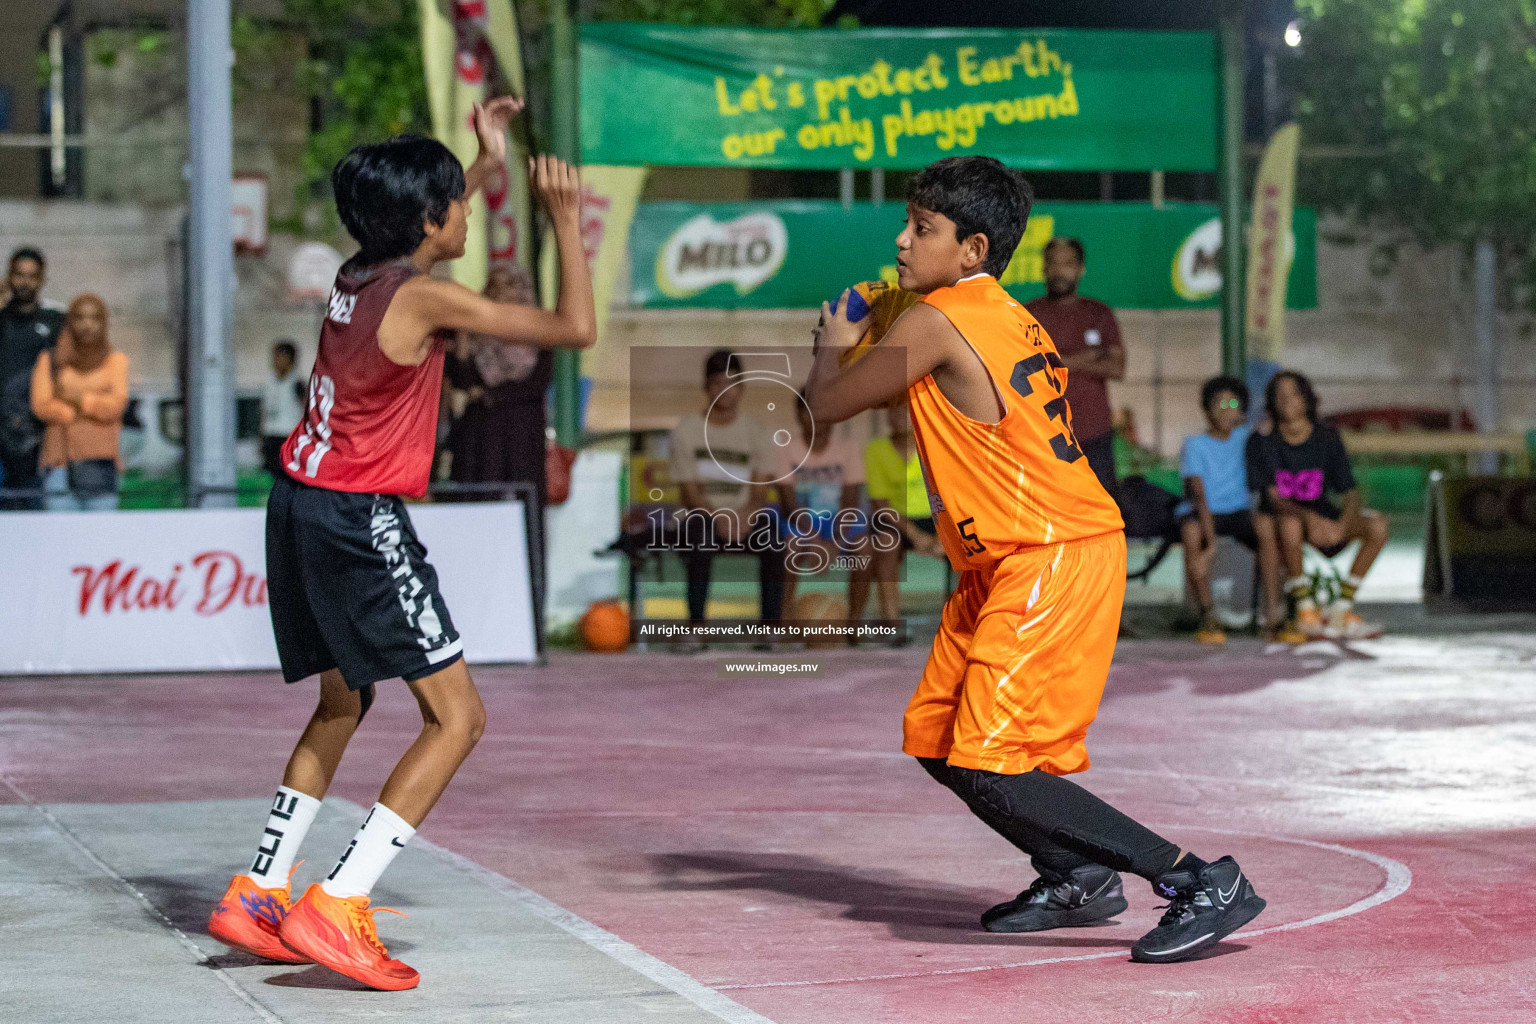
(363, 73)
(1439, 98)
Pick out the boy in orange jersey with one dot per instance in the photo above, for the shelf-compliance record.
(1024, 646)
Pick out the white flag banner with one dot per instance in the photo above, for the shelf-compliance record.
(187, 590)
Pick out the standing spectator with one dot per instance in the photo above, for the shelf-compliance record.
(1298, 468)
(28, 328)
(722, 461)
(282, 405)
(1087, 336)
(894, 475)
(501, 436)
(822, 475)
(81, 399)
(1215, 471)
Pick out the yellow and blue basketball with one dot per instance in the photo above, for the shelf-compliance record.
(879, 303)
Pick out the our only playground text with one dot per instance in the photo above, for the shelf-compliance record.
(949, 125)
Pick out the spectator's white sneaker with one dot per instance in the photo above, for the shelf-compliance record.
(1345, 624)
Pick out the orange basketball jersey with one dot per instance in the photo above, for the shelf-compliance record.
(1019, 482)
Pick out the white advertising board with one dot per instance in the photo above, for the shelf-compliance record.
(187, 590)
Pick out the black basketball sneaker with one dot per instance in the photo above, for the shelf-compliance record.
(1204, 908)
(1090, 893)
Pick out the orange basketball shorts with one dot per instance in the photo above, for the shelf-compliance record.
(1019, 664)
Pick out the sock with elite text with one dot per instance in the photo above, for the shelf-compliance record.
(383, 835)
(291, 815)
(1300, 590)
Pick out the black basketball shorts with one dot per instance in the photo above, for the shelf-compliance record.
(349, 587)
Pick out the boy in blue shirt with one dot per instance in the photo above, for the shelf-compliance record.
(1215, 472)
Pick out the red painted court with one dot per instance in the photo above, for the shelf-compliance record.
(764, 842)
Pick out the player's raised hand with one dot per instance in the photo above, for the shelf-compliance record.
(491, 120)
(558, 184)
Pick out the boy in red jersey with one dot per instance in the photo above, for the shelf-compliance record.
(352, 595)
(1024, 646)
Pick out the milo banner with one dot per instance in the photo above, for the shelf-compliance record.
(796, 254)
(902, 98)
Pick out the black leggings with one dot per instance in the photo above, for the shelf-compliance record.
(1058, 823)
(770, 586)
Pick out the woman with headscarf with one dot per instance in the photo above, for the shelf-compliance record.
(80, 389)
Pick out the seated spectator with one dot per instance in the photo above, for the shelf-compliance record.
(282, 405)
(820, 479)
(894, 478)
(722, 462)
(1215, 472)
(81, 399)
(1298, 468)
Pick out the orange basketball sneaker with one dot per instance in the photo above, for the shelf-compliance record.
(248, 917)
(340, 934)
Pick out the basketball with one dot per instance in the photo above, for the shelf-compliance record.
(879, 303)
(605, 627)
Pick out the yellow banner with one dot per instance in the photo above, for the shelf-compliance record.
(1271, 245)
(466, 46)
(608, 201)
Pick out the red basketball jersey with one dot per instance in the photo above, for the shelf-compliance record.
(370, 424)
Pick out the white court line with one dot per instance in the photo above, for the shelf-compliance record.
(203, 960)
(1398, 879)
(636, 959)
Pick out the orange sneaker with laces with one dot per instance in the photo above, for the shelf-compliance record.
(340, 934)
(248, 918)
(1310, 622)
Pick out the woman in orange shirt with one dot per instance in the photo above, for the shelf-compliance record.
(81, 399)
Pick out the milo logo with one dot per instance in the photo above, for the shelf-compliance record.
(704, 252)
(1197, 264)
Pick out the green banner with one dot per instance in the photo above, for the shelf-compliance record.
(1058, 99)
(796, 254)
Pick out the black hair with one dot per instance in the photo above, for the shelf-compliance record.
(26, 252)
(385, 191)
(289, 347)
(1071, 243)
(1302, 384)
(982, 197)
(1216, 385)
(719, 362)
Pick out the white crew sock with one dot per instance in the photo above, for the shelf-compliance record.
(382, 835)
(291, 815)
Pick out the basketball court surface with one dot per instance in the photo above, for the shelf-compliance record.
(637, 839)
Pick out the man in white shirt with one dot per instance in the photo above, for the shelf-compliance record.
(282, 405)
(723, 461)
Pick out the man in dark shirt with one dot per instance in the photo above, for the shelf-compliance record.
(27, 328)
(1088, 339)
(1297, 468)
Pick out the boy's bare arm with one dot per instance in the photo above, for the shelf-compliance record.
(1194, 490)
(424, 305)
(920, 342)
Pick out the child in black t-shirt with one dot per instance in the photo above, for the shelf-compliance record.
(1297, 468)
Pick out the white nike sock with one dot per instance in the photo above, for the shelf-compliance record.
(291, 815)
(382, 835)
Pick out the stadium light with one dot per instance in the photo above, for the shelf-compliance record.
(1293, 34)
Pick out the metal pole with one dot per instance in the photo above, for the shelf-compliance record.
(845, 187)
(565, 135)
(877, 185)
(1234, 346)
(1486, 354)
(210, 404)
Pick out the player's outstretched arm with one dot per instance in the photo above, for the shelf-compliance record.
(424, 306)
(921, 341)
